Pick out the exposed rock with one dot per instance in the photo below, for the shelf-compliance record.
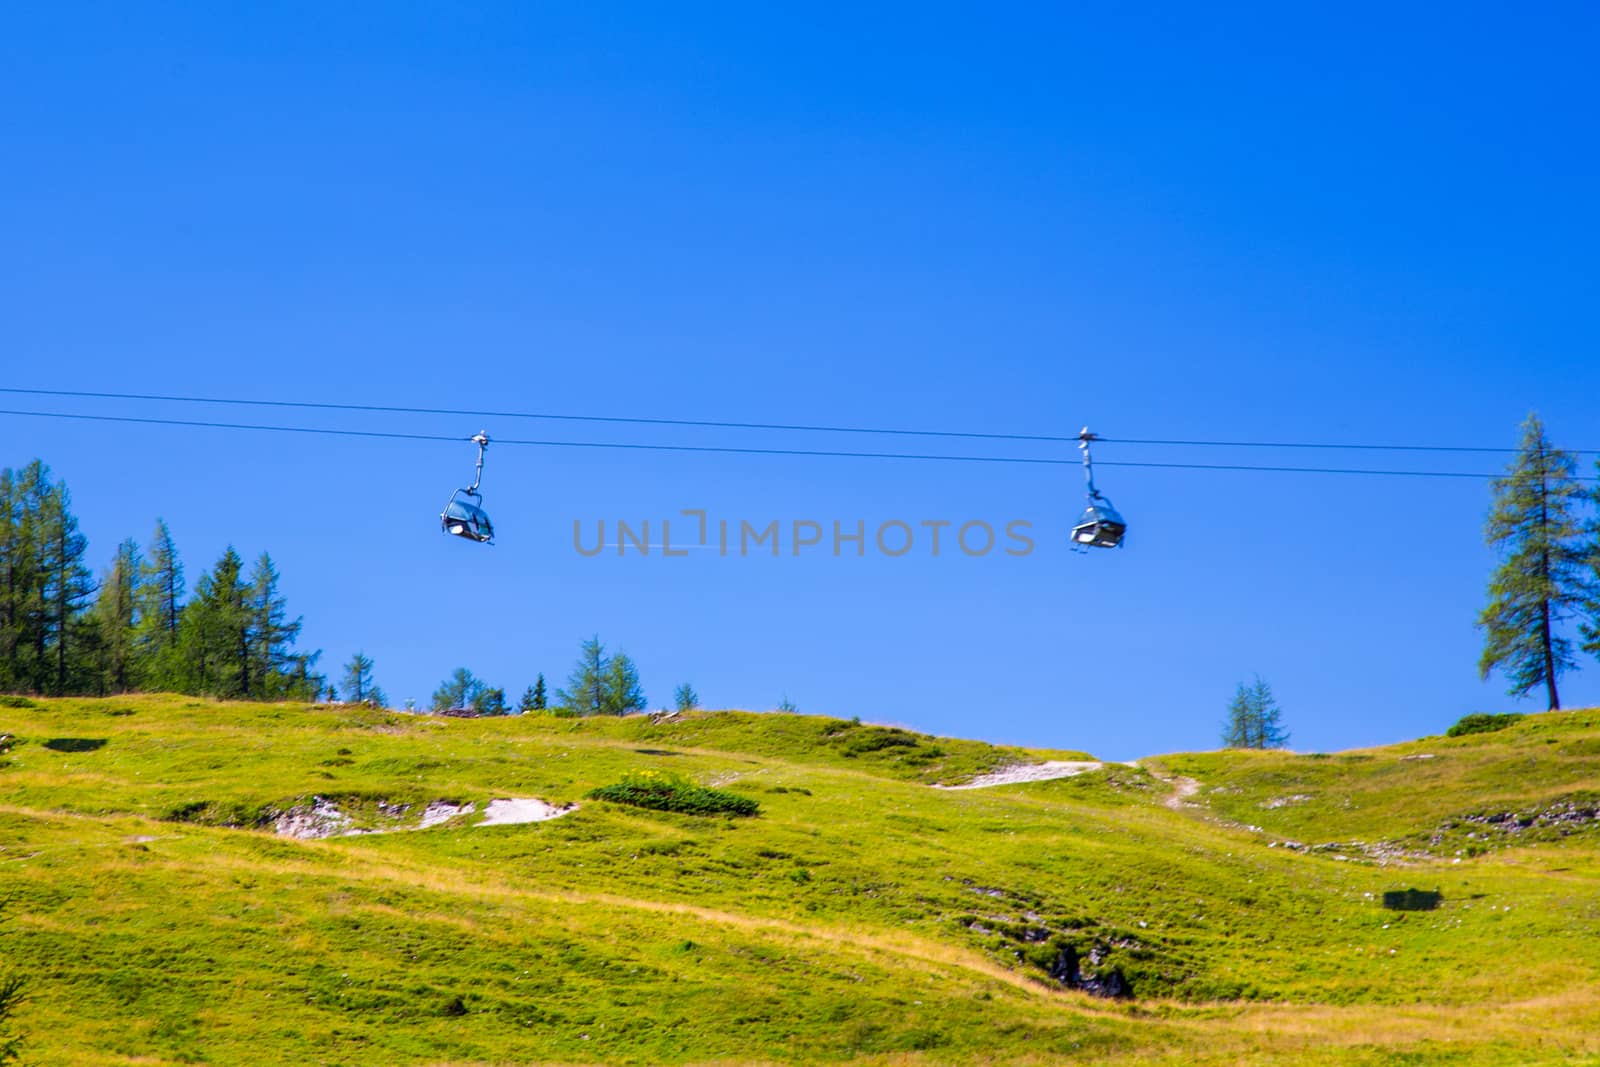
(322, 818)
(1028, 772)
(1067, 969)
(442, 811)
(510, 811)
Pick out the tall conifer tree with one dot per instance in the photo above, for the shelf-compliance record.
(63, 583)
(1254, 718)
(161, 590)
(272, 634)
(358, 684)
(1590, 627)
(116, 621)
(1541, 579)
(214, 633)
(16, 579)
(585, 693)
(622, 690)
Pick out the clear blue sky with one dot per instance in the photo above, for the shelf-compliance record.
(1358, 224)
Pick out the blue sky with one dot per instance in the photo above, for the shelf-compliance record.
(1228, 223)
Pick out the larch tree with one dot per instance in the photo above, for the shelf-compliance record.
(585, 693)
(490, 700)
(1254, 718)
(1541, 580)
(1589, 629)
(358, 684)
(685, 698)
(460, 690)
(622, 690)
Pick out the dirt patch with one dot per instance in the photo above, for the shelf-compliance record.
(1182, 790)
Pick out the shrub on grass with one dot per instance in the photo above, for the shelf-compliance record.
(663, 791)
(876, 739)
(1483, 723)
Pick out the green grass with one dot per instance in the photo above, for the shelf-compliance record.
(860, 914)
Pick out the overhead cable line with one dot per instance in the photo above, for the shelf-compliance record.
(238, 426)
(476, 413)
(730, 450)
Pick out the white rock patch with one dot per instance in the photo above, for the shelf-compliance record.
(322, 819)
(509, 811)
(442, 811)
(1029, 772)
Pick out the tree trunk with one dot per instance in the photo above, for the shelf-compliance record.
(1549, 657)
(1544, 600)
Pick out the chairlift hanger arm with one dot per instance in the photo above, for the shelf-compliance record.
(1084, 438)
(481, 439)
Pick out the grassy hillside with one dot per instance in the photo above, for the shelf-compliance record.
(159, 917)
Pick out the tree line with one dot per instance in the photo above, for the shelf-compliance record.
(63, 633)
(139, 627)
(600, 684)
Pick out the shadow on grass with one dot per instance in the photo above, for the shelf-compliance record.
(1412, 899)
(75, 744)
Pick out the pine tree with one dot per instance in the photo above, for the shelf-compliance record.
(585, 693)
(116, 619)
(622, 691)
(1540, 580)
(160, 610)
(214, 640)
(685, 697)
(1254, 718)
(533, 697)
(460, 690)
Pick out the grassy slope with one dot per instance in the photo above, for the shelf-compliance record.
(861, 914)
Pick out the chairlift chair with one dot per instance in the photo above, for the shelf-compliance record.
(463, 515)
(1100, 525)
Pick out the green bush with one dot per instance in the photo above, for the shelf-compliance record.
(663, 791)
(876, 739)
(1483, 723)
(8, 700)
